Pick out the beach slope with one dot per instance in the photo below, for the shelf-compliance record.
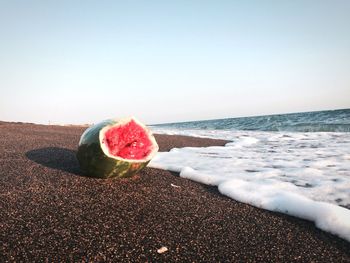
(50, 211)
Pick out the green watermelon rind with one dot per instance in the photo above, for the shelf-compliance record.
(96, 162)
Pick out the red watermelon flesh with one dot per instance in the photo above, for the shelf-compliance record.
(128, 141)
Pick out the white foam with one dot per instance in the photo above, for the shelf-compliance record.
(306, 175)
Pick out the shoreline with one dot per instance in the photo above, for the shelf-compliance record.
(49, 211)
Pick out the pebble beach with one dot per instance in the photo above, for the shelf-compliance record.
(51, 212)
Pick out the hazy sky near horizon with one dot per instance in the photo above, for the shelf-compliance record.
(165, 61)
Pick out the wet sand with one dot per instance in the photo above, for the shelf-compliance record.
(50, 212)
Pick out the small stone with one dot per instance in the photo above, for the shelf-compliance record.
(162, 250)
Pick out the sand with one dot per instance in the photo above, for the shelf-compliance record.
(50, 212)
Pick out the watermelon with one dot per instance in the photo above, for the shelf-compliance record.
(116, 148)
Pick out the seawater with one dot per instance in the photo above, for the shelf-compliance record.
(317, 121)
(298, 164)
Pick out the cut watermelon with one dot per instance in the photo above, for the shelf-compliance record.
(116, 148)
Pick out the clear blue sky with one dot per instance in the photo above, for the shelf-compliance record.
(164, 61)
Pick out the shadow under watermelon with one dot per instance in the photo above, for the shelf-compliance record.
(56, 158)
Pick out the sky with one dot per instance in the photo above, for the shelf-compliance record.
(166, 61)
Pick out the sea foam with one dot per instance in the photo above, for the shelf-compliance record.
(306, 175)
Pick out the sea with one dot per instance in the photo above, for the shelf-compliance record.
(297, 164)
